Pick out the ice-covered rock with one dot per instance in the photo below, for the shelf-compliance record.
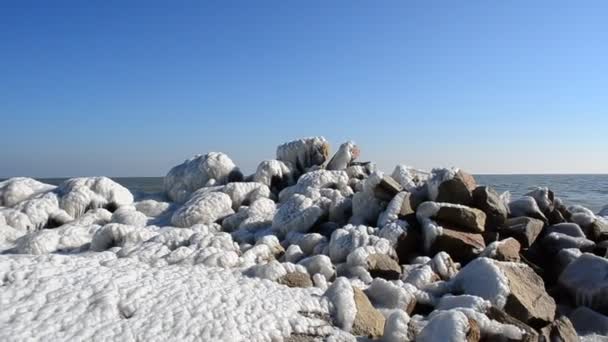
(449, 326)
(348, 238)
(304, 153)
(77, 195)
(389, 295)
(275, 174)
(526, 206)
(130, 216)
(586, 281)
(298, 214)
(451, 185)
(396, 328)
(213, 168)
(204, 208)
(245, 193)
(346, 154)
(17, 189)
(317, 180)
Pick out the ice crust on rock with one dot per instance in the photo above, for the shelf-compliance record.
(203, 207)
(18, 189)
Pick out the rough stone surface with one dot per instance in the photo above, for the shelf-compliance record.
(468, 219)
(461, 246)
(296, 279)
(586, 281)
(474, 334)
(528, 301)
(381, 265)
(508, 250)
(523, 229)
(387, 189)
(408, 206)
(457, 190)
(488, 200)
(530, 335)
(368, 321)
(560, 330)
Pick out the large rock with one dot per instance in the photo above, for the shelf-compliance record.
(458, 189)
(488, 200)
(382, 266)
(523, 229)
(296, 279)
(530, 335)
(560, 330)
(586, 281)
(461, 246)
(468, 219)
(527, 301)
(526, 206)
(587, 321)
(368, 321)
(504, 250)
(387, 188)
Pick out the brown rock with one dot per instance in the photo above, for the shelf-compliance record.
(368, 321)
(508, 250)
(296, 279)
(474, 334)
(408, 207)
(560, 330)
(488, 200)
(461, 246)
(382, 266)
(523, 229)
(528, 301)
(530, 335)
(458, 189)
(468, 219)
(387, 189)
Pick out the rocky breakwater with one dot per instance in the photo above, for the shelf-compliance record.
(401, 256)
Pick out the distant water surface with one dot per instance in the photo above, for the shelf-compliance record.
(590, 191)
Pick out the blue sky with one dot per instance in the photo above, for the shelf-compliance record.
(124, 88)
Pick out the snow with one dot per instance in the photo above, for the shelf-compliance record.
(396, 327)
(304, 153)
(342, 297)
(347, 153)
(481, 277)
(586, 279)
(445, 326)
(18, 189)
(203, 207)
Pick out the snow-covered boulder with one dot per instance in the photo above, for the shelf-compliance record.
(346, 154)
(275, 174)
(17, 189)
(77, 195)
(203, 207)
(304, 153)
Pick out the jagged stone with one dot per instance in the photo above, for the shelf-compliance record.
(382, 266)
(461, 246)
(457, 190)
(523, 229)
(387, 189)
(468, 219)
(560, 330)
(530, 335)
(508, 250)
(488, 200)
(368, 321)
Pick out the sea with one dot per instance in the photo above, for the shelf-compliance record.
(587, 190)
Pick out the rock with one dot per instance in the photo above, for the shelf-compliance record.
(474, 334)
(526, 206)
(346, 154)
(555, 217)
(598, 230)
(586, 281)
(387, 188)
(461, 246)
(530, 335)
(523, 229)
(457, 190)
(468, 219)
(571, 229)
(560, 330)
(587, 321)
(554, 242)
(488, 200)
(408, 206)
(382, 266)
(296, 279)
(304, 153)
(505, 250)
(527, 301)
(368, 321)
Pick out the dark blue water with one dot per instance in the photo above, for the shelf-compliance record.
(590, 191)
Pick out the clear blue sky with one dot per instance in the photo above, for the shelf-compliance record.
(131, 90)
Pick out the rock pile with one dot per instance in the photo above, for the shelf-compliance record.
(400, 257)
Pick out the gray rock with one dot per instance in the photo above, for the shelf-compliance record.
(526, 206)
(571, 229)
(587, 321)
(586, 281)
(523, 229)
(387, 189)
(457, 190)
(488, 200)
(554, 242)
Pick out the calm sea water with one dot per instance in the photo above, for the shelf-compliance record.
(590, 191)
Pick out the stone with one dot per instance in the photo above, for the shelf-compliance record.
(526, 206)
(527, 301)
(468, 219)
(560, 330)
(523, 229)
(387, 188)
(461, 246)
(457, 190)
(555, 242)
(585, 280)
(571, 229)
(598, 230)
(488, 200)
(587, 321)
(296, 279)
(530, 335)
(408, 206)
(555, 217)
(382, 266)
(368, 321)
(508, 250)
(474, 334)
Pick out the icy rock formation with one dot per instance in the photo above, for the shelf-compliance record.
(214, 168)
(203, 207)
(275, 174)
(317, 180)
(77, 195)
(346, 154)
(304, 153)
(586, 280)
(15, 190)
(348, 238)
(298, 214)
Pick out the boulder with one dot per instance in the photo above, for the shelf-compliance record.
(461, 246)
(527, 300)
(488, 200)
(468, 219)
(598, 230)
(586, 281)
(504, 250)
(587, 321)
(387, 188)
(560, 330)
(408, 206)
(296, 279)
(382, 266)
(523, 229)
(458, 190)
(530, 335)
(368, 321)
(526, 206)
